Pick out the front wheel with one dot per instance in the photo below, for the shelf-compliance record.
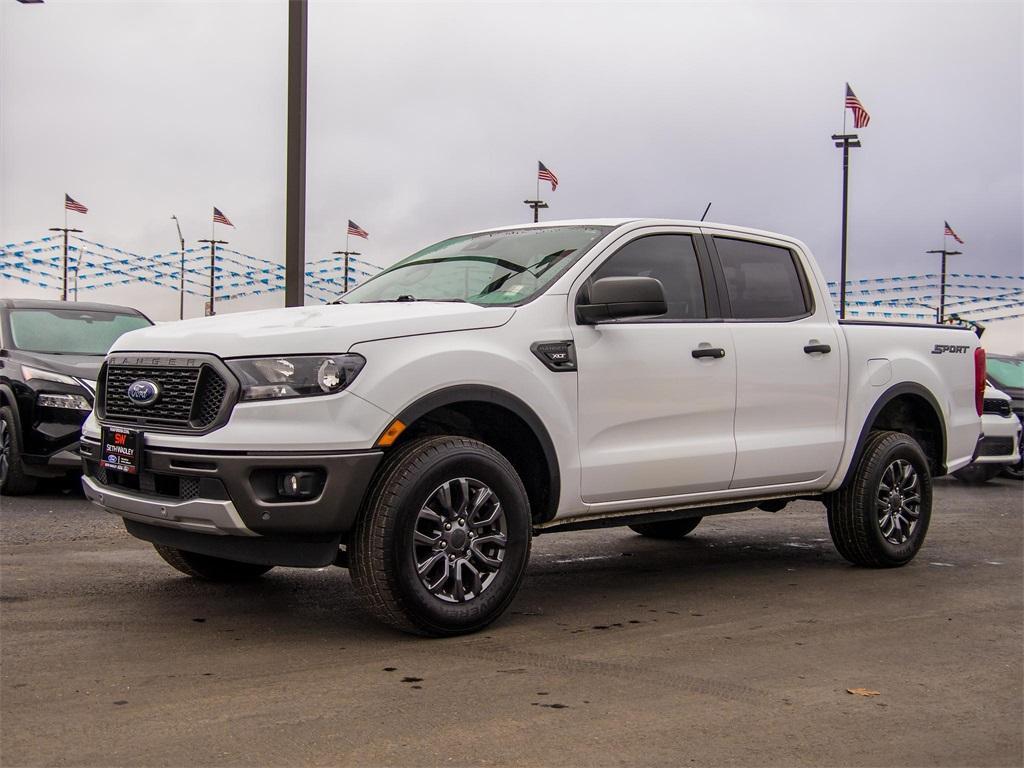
(880, 518)
(443, 543)
(210, 568)
(13, 480)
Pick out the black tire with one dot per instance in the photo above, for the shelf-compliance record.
(976, 474)
(667, 529)
(384, 550)
(13, 480)
(210, 568)
(856, 518)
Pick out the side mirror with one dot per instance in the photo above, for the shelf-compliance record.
(615, 298)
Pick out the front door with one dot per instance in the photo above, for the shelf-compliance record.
(654, 419)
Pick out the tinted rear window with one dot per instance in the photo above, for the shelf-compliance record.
(764, 281)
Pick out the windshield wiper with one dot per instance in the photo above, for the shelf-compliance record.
(409, 297)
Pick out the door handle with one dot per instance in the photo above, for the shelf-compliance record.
(810, 349)
(715, 352)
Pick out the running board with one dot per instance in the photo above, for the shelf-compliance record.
(657, 515)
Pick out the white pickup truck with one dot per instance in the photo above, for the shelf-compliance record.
(518, 381)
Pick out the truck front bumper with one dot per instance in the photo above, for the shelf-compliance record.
(234, 494)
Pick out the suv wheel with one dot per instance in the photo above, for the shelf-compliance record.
(667, 529)
(210, 568)
(443, 543)
(880, 518)
(13, 480)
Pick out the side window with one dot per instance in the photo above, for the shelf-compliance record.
(672, 260)
(764, 281)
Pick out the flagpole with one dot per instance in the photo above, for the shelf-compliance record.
(346, 259)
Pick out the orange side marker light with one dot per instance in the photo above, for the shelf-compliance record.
(390, 434)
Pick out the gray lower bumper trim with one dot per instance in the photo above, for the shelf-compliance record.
(199, 515)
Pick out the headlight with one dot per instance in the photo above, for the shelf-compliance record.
(72, 402)
(266, 378)
(29, 373)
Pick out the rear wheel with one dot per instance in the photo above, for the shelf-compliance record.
(667, 529)
(13, 480)
(880, 518)
(210, 568)
(443, 544)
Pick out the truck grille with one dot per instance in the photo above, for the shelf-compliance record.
(997, 406)
(193, 398)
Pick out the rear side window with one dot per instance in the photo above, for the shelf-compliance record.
(764, 281)
(671, 259)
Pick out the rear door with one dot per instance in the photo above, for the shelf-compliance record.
(655, 420)
(789, 419)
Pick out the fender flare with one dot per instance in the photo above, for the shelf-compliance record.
(12, 403)
(479, 393)
(906, 388)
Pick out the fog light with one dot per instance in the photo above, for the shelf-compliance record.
(298, 485)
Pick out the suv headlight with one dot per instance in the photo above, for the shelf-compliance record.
(29, 373)
(270, 378)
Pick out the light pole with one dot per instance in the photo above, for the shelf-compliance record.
(844, 140)
(181, 288)
(213, 268)
(295, 196)
(941, 315)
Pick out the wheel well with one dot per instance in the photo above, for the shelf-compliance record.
(507, 433)
(915, 416)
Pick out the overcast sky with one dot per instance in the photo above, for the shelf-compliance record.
(428, 119)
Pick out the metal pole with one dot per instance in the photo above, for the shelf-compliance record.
(346, 253)
(181, 275)
(940, 316)
(942, 289)
(213, 259)
(844, 140)
(842, 258)
(65, 229)
(295, 203)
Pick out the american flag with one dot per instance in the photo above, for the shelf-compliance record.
(220, 218)
(950, 233)
(70, 204)
(545, 174)
(357, 231)
(860, 115)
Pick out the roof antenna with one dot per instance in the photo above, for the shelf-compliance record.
(705, 212)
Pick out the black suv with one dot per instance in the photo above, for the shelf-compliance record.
(50, 355)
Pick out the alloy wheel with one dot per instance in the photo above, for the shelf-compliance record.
(459, 540)
(899, 501)
(5, 451)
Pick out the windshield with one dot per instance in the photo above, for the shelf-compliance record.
(492, 268)
(70, 331)
(1006, 373)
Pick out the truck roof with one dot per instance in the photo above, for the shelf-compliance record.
(642, 221)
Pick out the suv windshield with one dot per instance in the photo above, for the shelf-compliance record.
(492, 268)
(70, 331)
(1006, 372)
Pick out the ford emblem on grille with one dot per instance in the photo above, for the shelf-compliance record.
(143, 392)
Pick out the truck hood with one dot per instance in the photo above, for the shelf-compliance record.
(310, 330)
(81, 366)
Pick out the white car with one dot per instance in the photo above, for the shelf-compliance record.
(1000, 441)
(520, 381)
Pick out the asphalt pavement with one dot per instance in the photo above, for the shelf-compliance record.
(736, 646)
